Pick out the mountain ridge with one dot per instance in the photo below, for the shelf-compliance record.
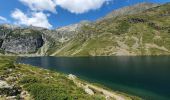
(127, 10)
(133, 33)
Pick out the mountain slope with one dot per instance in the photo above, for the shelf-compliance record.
(142, 29)
(20, 40)
(144, 33)
(31, 40)
(130, 10)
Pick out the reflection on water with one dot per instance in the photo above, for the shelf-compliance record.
(148, 77)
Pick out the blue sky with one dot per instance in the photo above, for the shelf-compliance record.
(57, 13)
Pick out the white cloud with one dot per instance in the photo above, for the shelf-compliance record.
(3, 19)
(40, 5)
(80, 6)
(74, 6)
(38, 19)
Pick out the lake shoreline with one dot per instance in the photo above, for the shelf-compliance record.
(25, 76)
(37, 55)
(113, 72)
(95, 87)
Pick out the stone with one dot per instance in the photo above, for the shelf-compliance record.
(11, 98)
(89, 91)
(4, 84)
(11, 79)
(24, 94)
(71, 77)
(9, 90)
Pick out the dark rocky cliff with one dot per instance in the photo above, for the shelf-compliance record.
(20, 41)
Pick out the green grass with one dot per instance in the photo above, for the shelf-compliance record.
(43, 84)
(130, 42)
(154, 24)
(24, 33)
(99, 38)
(123, 27)
(155, 51)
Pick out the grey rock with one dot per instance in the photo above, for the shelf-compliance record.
(20, 41)
(4, 84)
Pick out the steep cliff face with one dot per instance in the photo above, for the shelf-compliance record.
(20, 41)
(17, 43)
(35, 40)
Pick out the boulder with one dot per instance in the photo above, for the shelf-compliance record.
(71, 77)
(89, 91)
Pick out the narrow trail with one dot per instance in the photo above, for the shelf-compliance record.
(108, 94)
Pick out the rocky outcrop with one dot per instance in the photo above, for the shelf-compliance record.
(67, 33)
(21, 45)
(136, 20)
(20, 41)
(9, 90)
(35, 40)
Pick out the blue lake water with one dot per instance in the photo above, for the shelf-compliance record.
(145, 76)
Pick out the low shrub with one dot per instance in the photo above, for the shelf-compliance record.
(47, 92)
(29, 79)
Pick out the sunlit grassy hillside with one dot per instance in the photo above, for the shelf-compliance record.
(144, 33)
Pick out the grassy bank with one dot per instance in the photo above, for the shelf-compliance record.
(28, 82)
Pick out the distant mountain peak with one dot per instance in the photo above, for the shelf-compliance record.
(9, 26)
(127, 10)
(73, 27)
